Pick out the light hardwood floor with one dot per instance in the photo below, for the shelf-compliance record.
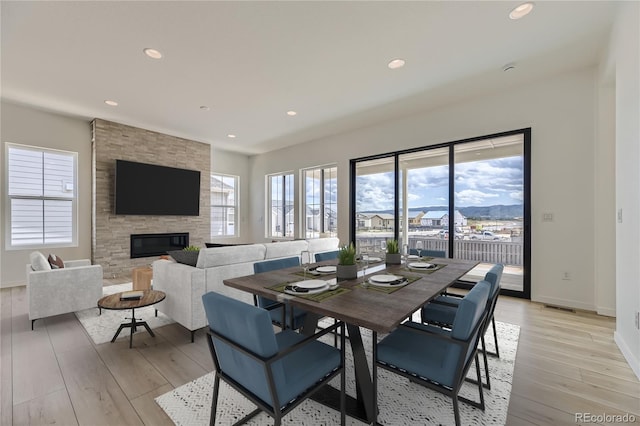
(566, 363)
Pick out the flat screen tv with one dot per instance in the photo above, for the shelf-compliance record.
(148, 189)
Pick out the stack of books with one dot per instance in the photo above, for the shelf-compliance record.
(131, 295)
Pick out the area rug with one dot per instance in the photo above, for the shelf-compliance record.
(400, 401)
(101, 328)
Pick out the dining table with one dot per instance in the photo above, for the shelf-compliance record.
(358, 303)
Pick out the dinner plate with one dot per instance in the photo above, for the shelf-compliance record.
(389, 284)
(310, 284)
(302, 293)
(421, 265)
(326, 269)
(414, 256)
(385, 278)
(374, 259)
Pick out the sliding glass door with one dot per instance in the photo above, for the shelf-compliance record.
(465, 199)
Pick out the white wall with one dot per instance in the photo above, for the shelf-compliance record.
(625, 50)
(561, 110)
(29, 126)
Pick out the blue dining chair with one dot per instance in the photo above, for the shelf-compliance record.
(276, 372)
(442, 310)
(431, 253)
(436, 358)
(327, 255)
(281, 314)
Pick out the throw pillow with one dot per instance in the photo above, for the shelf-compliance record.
(39, 262)
(55, 261)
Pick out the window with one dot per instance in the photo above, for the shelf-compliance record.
(468, 199)
(224, 205)
(42, 197)
(280, 207)
(320, 202)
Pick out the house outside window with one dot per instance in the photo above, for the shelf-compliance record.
(42, 197)
(320, 189)
(224, 206)
(280, 206)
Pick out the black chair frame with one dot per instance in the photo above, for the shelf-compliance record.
(461, 369)
(277, 411)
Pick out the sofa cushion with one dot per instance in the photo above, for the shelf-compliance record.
(285, 249)
(56, 262)
(318, 245)
(216, 256)
(39, 262)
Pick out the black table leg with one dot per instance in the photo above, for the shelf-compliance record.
(133, 325)
(361, 407)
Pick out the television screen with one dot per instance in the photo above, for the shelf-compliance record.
(147, 189)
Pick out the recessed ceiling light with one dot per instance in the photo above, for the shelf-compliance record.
(292, 113)
(521, 11)
(204, 108)
(231, 136)
(152, 53)
(111, 103)
(396, 63)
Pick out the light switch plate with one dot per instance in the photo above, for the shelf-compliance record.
(547, 217)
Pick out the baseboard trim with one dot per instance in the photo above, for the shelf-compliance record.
(633, 362)
(565, 303)
(607, 312)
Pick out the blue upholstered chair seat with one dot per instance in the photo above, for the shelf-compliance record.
(426, 355)
(297, 376)
(298, 316)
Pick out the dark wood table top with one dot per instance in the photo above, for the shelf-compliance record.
(375, 310)
(149, 297)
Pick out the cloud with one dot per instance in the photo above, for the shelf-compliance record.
(517, 195)
(471, 197)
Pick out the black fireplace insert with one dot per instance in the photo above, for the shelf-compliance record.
(147, 245)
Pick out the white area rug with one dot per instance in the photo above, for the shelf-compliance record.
(101, 328)
(400, 401)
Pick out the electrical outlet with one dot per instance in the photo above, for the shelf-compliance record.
(547, 217)
(566, 276)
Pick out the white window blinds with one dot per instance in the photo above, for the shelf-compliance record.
(42, 195)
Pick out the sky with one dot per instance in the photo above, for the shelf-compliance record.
(479, 183)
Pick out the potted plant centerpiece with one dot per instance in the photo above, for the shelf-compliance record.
(347, 268)
(393, 256)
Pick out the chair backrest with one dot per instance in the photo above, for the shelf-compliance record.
(247, 326)
(327, 255)
(493, 277)
(272, 265)
(432, 253)
(470, 311)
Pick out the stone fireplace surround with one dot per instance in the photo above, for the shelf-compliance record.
(111, 242)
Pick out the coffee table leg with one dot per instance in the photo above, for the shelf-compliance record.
(133, 327)
(118, 332)
(148, 329)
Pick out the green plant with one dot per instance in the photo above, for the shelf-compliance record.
(392, 247)
(191, 248)
(347, 255)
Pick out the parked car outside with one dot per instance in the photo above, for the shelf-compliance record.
(486, 235)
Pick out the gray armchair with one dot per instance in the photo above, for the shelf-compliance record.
(75, 287)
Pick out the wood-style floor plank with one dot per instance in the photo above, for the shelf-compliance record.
(95, 394)
(566, 363)
(53, 408)
(6, 381)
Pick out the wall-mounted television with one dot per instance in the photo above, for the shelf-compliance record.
(148, 189)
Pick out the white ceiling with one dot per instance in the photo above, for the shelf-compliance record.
(251, 62)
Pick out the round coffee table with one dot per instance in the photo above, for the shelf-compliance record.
(149, 297)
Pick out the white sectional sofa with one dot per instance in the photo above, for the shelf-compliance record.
(184, 285)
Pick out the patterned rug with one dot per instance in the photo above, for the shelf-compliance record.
(400, 401)
(101, 328)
